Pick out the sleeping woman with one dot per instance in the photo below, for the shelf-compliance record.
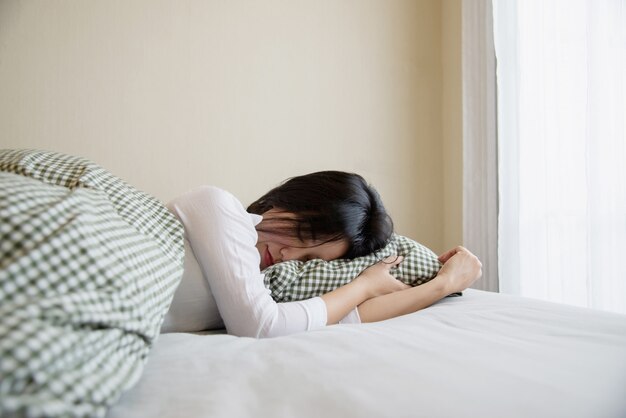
(326, 215)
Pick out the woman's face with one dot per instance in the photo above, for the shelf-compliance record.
(275, 247)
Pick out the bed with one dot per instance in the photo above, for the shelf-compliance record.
(88, 271)
(479, 355)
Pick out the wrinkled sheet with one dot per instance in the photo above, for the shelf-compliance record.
(481, 355)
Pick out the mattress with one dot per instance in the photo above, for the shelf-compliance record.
(479, 355)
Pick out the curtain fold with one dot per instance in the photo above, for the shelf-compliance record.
(561, 76)
(480, 210)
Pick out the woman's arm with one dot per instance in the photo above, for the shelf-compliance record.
(377, 282)
(223, 238)
(461, 268)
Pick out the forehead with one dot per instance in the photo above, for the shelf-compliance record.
(275, 214)
(312, 248)
(328, 250)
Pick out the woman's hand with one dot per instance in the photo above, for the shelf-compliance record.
(378, 280)
(460, 269)
(374, 281)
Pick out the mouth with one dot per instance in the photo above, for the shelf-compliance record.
(267, 258)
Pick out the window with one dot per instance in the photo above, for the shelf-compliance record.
(561, 94)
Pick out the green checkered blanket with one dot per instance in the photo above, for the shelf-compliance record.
(88, 269)
(296, 280)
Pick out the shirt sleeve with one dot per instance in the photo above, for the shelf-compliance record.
(223, 239)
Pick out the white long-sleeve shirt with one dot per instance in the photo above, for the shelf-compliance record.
(222, 280)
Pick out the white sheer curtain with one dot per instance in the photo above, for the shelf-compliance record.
(561, 76)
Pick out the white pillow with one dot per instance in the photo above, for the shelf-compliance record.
(193, 307)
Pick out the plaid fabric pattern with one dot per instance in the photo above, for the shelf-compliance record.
(88, 269)
(296, 280)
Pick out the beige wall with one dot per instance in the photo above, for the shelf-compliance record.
(243, 94)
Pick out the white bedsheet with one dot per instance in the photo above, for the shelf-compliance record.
(480, 355)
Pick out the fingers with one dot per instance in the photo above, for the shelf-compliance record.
(388, 263)
(392, 260)
(450, 253)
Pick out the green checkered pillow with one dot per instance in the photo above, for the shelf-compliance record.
(296, 280)
(88, 269)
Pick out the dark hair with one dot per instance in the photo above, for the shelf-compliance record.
(329, 206)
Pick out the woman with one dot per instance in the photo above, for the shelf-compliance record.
(325, 215)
